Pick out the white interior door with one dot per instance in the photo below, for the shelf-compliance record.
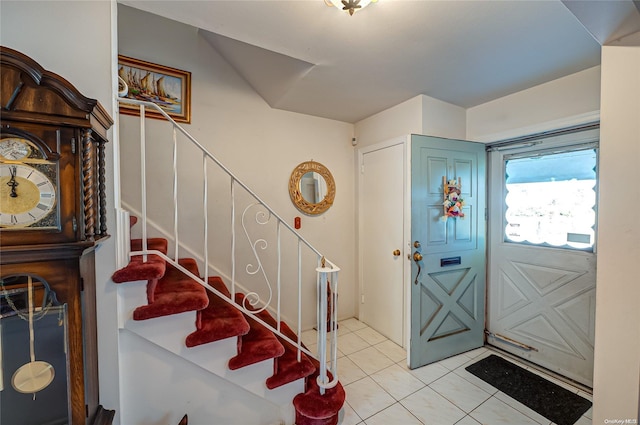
(382, 256)
(542, 262)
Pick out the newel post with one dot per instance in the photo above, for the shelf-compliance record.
(327, 317)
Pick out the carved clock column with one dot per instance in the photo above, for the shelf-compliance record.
(52, 217)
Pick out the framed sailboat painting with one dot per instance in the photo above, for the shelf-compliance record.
(168, 88)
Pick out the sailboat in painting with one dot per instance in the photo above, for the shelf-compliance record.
(151, 87)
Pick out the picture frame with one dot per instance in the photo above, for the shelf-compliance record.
(167, 87)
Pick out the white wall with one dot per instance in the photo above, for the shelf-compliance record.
(617, 351)
(159, 387)
(73, 39)
(418, 115)
(405, 118)
(259, 144)
(548, 106)
(442, 119)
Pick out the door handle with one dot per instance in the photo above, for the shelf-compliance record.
(396, 253)
(417, 257)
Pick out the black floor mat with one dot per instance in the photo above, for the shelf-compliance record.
(548, 399)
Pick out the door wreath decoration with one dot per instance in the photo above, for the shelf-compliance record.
(453, 203)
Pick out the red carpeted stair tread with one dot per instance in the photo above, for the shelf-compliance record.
(153, 268)
(315, 409)
(174, 293)
(170, 291)
(157, 244)
(258, 344)
(287, 368)
(219, 320)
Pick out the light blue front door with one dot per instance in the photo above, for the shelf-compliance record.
(448, 283)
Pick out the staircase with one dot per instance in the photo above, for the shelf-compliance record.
(170, 289)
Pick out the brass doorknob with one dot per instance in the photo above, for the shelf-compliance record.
(417, 257)
(396, 253)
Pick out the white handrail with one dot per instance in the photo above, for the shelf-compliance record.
(225, 169)
(326, 271)
(178, 266)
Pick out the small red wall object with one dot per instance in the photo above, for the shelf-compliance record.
(296, 223)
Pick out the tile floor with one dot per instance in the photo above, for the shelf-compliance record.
(381, 390)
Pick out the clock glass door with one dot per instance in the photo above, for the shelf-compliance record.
(34, 387)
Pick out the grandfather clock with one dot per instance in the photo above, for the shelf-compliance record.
(52, 218)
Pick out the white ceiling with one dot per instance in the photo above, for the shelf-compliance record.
(303, 56)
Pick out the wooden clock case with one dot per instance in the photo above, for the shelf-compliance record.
(45, 108)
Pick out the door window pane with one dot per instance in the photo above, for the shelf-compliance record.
(551, 198)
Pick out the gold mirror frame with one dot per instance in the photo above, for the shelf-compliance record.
(295, 192)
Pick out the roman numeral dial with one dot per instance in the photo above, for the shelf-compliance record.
(27, 195)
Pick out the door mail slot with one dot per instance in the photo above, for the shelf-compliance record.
(451, 261)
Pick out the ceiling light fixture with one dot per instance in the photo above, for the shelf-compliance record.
(350, 6)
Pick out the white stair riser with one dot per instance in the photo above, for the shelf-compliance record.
(170, 332)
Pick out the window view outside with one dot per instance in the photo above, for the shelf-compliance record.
(551, 199)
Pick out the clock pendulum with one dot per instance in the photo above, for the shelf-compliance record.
(35, 375)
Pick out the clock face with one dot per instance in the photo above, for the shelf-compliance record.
(27, 196)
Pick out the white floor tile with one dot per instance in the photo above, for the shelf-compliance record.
(314, 349)
(522, 408)
(467, 420)
(429, 373)
(460, 392)
(352, 324)
(350, 343)
(371, 336)
(431, 408)
(395, 414)
(475, 353)
(454, 362)
(496, 412)
(490, 352)
(397, 381)
(370, 360)
(392, 350)
(348, 371)
(348, 416)
(374, 373)
(367, 398)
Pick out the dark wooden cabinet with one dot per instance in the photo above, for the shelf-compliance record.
(53, 206)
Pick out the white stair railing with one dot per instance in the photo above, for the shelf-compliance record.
(326, 272)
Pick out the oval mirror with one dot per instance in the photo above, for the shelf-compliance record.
(312, 188)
